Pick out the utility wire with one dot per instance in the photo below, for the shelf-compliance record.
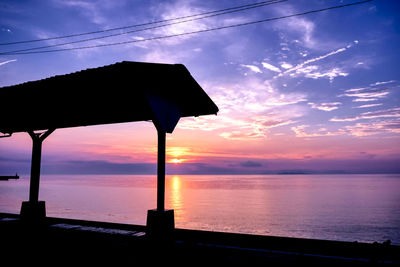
(248, 6)
(193, 32)
(149, 28)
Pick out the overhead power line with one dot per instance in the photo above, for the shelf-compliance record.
(222, 11)
(190, 33)
(231, 10)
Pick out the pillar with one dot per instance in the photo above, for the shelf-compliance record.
(160, 222)
(34, 210)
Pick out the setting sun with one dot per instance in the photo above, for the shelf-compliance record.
(176, 161)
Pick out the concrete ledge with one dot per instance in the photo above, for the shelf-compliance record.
(83, 242)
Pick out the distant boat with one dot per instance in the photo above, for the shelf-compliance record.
(6, 177)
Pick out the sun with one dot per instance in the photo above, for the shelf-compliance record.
(176, 161)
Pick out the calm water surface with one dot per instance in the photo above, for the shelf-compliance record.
(365, 208)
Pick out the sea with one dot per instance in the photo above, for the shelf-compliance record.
(344, 207)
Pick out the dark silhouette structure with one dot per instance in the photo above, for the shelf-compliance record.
(122, 92)
(7, 177)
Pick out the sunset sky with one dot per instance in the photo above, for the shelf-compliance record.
(317, 92)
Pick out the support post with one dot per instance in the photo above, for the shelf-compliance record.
(160, 222)
(35, 167)
(161, 170)
(35, 209)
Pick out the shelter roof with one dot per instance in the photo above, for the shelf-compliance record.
(121, 92)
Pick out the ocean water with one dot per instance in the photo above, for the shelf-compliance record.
(364, 208)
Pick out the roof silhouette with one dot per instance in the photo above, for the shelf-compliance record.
(121, 92)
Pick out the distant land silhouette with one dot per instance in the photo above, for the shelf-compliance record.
(22, 166)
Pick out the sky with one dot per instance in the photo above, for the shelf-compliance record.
(316, 93)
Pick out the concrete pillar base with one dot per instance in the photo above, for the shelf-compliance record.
(160, 223)
(33, 211)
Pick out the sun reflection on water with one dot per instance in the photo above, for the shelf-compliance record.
(175, 197)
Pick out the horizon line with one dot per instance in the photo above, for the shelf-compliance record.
(278, 172)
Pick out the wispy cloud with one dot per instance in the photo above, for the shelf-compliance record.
(369, 93)
(286, 65)
(382, 83)
(271, 122)
(300, 26)
(167, 10)
(270, 67)
(181, 9)
(210, 123)
(8, 61)
(315, 71)
(364, 99)
(242, 135)
(90, 9)
(325, 106)
(385, 113)
(300, 131)
(335, 119)
(252, 68)
(252, 95)
(370, 105)
(257, 128)
(249, 108)
(366, 129)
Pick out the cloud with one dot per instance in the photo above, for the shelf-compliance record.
(364, 99)
(345, 119)
(8, 61)
(382, 83)
(168, 10)
(252, 68)
(251, 164)
(356, 89)
(242, 135)
(257, 127)
(268, 121)
(297, 25)
(181, 9)
(312, 60)
(249, 108)
(370, 105)
(209, 123)
(386, 113)
(270, 67)
(300, 131)
(314, 71)
(91, 9)
(369, 93)
(164, 55)
(285, 99)
(366, 129)
(311, 72)
(325, 106)
(286, 65)
(251, 95)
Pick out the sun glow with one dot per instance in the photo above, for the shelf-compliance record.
(175, 154)
(176, 161)
(177, 151)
